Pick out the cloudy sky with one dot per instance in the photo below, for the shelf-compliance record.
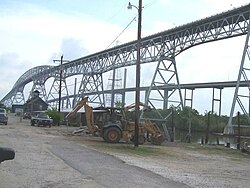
(33, 33)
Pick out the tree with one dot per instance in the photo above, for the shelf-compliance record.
(55, 115)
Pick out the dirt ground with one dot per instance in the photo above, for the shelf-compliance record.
(193, 164)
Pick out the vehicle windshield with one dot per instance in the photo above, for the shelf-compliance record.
(2, 110)
(42, 115)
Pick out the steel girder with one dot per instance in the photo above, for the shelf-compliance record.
(167, 44)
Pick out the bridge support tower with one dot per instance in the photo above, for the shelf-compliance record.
(244, 73)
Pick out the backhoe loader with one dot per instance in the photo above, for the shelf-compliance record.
(111, 124)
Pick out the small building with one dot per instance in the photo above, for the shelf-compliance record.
(35, 103)
(17, 108)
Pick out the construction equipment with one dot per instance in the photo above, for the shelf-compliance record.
(112, 125)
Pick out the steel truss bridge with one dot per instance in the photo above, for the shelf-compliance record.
(160, 48)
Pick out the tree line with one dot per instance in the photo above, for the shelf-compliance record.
(186, 117)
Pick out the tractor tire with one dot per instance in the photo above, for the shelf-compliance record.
(112, 134)
(141, 139)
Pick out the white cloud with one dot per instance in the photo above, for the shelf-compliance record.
(72, 48)
(11, 67)
(37, 36)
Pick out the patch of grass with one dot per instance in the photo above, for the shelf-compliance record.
(130, 149)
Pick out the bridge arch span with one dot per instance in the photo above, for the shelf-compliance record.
(161, 47)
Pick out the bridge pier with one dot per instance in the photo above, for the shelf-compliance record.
(165, 75)
(217, 100)
(39, 85)
(91, 83)
(244, 72)
(18, 96)
(190, 99)
(54, 92)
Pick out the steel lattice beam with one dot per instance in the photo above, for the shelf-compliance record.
(165, 44)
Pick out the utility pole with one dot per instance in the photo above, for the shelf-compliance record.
(137, 91)
(60, 85)
(60, 81)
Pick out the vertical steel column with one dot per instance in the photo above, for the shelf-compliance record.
(165, 100)
(74, 98)
(189, 99)
(60, 85)
(113, 88)
(216, 100)
(178, 82)
(124, 87)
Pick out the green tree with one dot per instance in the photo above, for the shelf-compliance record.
(55, 115)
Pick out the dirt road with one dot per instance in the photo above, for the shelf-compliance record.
(46, 157)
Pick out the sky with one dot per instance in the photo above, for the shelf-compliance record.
(34, 33)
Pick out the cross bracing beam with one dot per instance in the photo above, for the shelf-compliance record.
(165, 44)
(193, 86)
(18, 97)
(54, 93)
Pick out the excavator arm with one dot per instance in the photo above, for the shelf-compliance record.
(93, 129)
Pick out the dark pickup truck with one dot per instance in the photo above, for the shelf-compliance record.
(41, 119)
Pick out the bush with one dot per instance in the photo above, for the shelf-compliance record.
(55, 115)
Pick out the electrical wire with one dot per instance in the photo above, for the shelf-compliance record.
(150, 3)
(146, 6)
(122, 32)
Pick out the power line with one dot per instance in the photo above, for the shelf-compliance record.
(150, 3)
(146, 6)
(122, 32)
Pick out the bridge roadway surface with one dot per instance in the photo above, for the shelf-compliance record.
(192, 86)
(45, 160)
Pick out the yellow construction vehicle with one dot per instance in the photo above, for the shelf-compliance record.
(111, 124)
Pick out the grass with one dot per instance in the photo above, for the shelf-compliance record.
(142, 150)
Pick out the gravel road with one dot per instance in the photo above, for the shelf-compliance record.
(47, 160)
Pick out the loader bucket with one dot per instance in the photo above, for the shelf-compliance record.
(157, 140)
